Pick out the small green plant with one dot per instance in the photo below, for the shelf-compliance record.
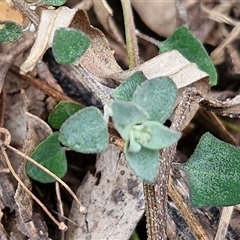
(139, 123)
(138, 110)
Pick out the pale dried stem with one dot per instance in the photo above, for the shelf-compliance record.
(59, 201)
(224, 223)
(147, 38)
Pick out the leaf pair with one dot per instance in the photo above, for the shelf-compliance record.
(82, 130)
(140, 121)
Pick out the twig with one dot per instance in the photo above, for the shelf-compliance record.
(186, 212)
(44, 87)
(168, 154)
(82, 209)
(230, 107)
(59, 200)
(224, 223)
(131, 40)
(147, 38)
(60, 225)
(3, 105)
(24, 8)
(150, 204)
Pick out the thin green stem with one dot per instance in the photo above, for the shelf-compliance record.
(131, 39)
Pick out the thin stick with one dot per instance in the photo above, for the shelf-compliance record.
(224, 223)
(6, 144)
(168, 154)
(187, 213)
(147, 38)
(60, 225)
(59, 200)
(81, 207)
(150, 203)
(24, 8)
(131, 39)
(3, 105)
(44, 87)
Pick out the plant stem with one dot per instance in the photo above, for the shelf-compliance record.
(150, 211)
(168, 154)
(131, 39)
(133, 58)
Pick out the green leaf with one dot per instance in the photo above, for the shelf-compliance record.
(128, 87)
(54, 2)
(145, 163)
(69, 44)
(188, 45)
(157, 97)
(9, 31)
(213, 172)
(154, 135)
(51, 155)
(125, 115)
(62, 112)
(85, 131)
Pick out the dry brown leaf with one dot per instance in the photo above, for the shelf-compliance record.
(84, 4)
(11, 53)
(160, 16)
(98, 58)
(50, 21)
(113, 197)
(104, 14)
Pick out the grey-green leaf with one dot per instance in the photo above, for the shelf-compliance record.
(9, 31)
(145, 163)
(51, 155)
(62, 112)
(213, 173)
(157, 97)
(69, 44)
(85, 131)
(125, 115)
(154, 135)
(54, 2)
(188, 45)
(127, 88)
